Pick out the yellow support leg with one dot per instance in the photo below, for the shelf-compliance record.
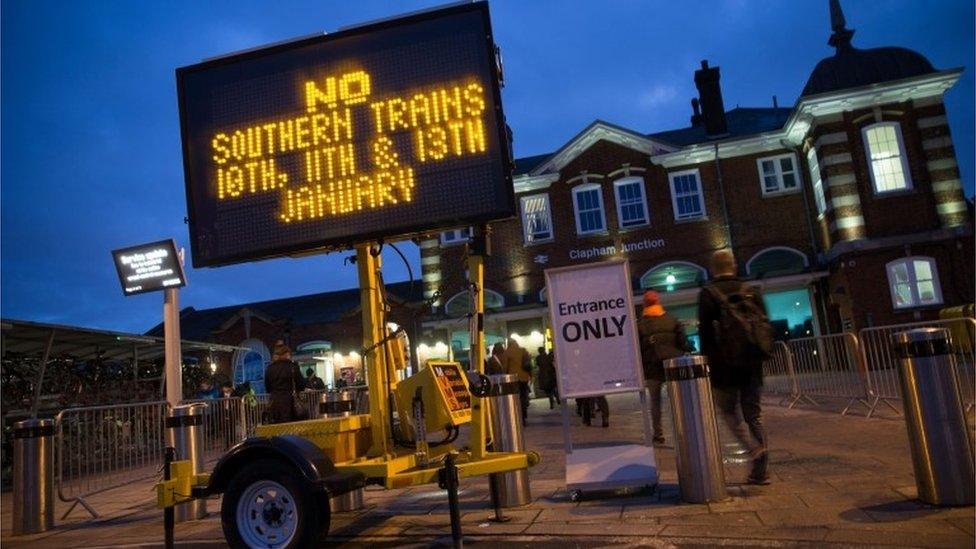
(480, 425)
(375, 358)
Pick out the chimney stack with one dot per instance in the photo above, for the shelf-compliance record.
(696, 118)
(710, 93)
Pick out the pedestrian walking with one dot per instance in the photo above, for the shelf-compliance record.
(494, 364)
(546, 366)
(736, 336)
(661, 337)
(283, 381)
(517, 363)
(599, 402)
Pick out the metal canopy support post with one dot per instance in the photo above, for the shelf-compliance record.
(40, 375)
(171, 336)
(477, 250)
(374, 359)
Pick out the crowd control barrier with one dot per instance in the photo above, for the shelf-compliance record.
(880, 356)
(831, 366)
(104, 447)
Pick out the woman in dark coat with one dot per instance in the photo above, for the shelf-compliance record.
(283, 380)
(661, 337)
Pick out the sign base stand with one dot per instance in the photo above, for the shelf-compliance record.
(603, 468)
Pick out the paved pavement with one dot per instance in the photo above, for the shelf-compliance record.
(837, 481)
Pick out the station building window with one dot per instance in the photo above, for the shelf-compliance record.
(686, 195)
(536, 218)
(631, 203)
(588, 205)
(250, 362)
(776, 261)
(674, 275)
(778, 174)
(455, 236)
(914, 282)
(886, 157)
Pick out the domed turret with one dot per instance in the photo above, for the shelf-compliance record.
(850, 67)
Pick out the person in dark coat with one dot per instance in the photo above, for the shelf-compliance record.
(494, 364)
(661, 337)
(547, 376)
(283, 380)
(736, 381)
(312, 381)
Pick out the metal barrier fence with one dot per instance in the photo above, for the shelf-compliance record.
(779, 378)
(882, 362)
(103, 447)
(831, 366)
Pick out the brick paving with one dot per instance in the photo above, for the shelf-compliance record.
(837, 481)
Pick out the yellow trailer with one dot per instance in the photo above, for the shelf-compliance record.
(276, 485)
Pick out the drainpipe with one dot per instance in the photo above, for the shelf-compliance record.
(721, 195)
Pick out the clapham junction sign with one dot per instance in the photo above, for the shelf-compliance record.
(379, 131)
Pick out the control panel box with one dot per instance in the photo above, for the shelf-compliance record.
(445, 394)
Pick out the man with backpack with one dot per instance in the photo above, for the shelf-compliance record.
(736, 336)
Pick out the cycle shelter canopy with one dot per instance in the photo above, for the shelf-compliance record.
(32, 338)
(594, 334)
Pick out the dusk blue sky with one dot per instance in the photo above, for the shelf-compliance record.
(91, 156)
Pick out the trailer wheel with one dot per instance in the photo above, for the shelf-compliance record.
(269, 505)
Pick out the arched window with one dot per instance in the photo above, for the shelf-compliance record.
(914, 282)
(777, 261)
(460, 304)
(674, 275)
(250, 362)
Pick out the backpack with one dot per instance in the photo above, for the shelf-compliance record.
(742, 329)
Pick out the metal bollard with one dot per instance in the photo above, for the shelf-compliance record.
(942, 450)
(33, 504)
(507, 489)
(341, 403)
(698, 453)
(184, 431)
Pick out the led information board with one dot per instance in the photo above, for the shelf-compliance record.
(383, 130)
(149, 267)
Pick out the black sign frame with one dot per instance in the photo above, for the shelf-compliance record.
(171, 247)
(503, 136)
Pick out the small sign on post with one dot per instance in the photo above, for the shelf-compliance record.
(594, 333)
(153, 267)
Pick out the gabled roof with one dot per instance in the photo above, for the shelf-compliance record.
(299, 310)
(741, 122)
(596, 131)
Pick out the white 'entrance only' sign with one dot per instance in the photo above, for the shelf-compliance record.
(594, 333)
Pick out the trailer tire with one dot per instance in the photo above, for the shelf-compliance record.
(269, 504)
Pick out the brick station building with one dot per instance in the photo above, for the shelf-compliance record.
(847, 208)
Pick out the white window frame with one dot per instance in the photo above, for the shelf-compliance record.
(643, 201)
(586, 187)
(454, 237)
(674, 197)
(902, 157)
(527, 236)
(909, 263)
(780, 183)
(816, 182)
